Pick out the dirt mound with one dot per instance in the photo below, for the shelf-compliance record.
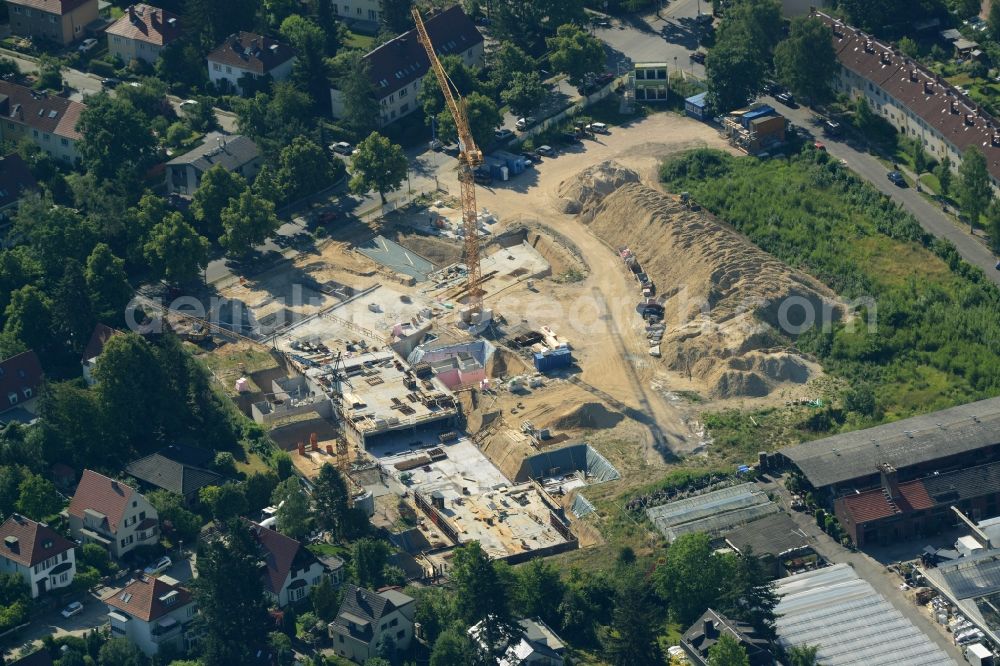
(591, 415)
(725, 299)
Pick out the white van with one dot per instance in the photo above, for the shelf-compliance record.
(600, 128)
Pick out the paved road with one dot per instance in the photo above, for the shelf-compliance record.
(929, 215)
(670, 36)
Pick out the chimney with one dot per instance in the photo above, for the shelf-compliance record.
(708, 628)
(131, 13)
(890, 482)
(12, 544)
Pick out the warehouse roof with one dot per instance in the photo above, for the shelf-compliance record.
(712, 512)
(849, 621)
(902, 444)
(770, 535)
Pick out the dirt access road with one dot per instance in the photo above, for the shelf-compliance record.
(600, 318)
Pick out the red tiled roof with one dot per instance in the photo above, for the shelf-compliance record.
(874, 505)
(148, 24)
(36, 542)
(101, 494)
(41, 111)
(252, 52)
(145, 598)
(18, 373)
(958, 119)
(98, 339)
(279, 553)
(403, 60)
(52, 6)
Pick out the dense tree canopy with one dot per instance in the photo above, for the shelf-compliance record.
(576, 52)
(379, 165)
(806, 61)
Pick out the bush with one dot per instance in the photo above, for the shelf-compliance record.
(102, 68)
(95, 556)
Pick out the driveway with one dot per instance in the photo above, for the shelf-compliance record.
(94, 614)
(929, 215)
(670, 36)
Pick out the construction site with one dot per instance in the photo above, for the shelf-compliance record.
(497, 398)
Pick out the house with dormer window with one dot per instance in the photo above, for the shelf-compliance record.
(108, 512)
(288, 569)
(365, 617)
(397, 68)
(37, 553)
(152, 613)
(20, 382)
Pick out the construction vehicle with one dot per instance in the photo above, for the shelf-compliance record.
(469, 157)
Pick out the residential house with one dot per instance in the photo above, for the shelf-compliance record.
(358, 11)
(152, 613)
(59, 21)
(171, 469)
(20, 381)
(48, 121)
(234, 152)
(94, 349)
(539, 646)
(397, 68)
(15, 181)
(142, 33)
(247, 54)
(289, 570)
(651, 81)
(112, 514)
(918, 103)
(706, 631)
(365, 616)
(334, 568)
(36, 552)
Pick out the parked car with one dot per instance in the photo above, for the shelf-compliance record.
(87, 45)
(71, 610)
(545, 151)
(896, 178)
(785, 98)
(503, 134)
(187, 104)
(571, 137)
(110, 83)
(599, 128)
(341, 148)
(524, 123)
(157, 567)
(534, 158)
(698, 57)
(818, 145)
(832, 127)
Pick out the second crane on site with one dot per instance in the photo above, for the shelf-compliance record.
(469, 158)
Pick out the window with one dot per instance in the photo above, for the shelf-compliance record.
(63, 578)
(229, 70)
(341, 636)
(76, 29)
(45, 136)
(34, 133)
(216, 66)
(394, 622)
(64, 142)
(52, 18)
(12, 398)
(142, 515)
(402, 93)
(65, 556)
(359, 11)
(123, 543)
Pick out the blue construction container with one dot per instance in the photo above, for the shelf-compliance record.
(515, 163)
(553, 360)
(753, 114)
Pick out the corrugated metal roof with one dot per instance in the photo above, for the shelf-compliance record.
(971, 577)
(902, 444)
(712, 512)
(850, 622)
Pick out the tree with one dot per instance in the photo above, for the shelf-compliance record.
(182, 62)
(735, 73)
(756, 22)
(506, 61)
(234, 615)
(293, 508)
(94, 555)
(200, 117)
(360, 105)
(575, 52)
(310, 69)
(121, 652)
(909, 47)
(170, 506)
(631, 638)
(482, 115)
(748, 593)
(258, 489)
(524, 93)
(174, 250)
(806, 61)
(802, 655)
(528, 22)
(303, 168)
(974, 191)
(368, 559)
(283, 464)
(993, 225)
(324, 599)
(225, 502)
(29, 318)
(539, 591)
(331, 497)
(379, 165)
(129, 387)
(49, 73)
(53, 234)
(281, 647)
(109, 289)
(481, 599)
(396, 16)
(727, 651)
(38, 498)
(452, 647)
(462, 78)
(247, 222)
(943, 170)
(116, 137)
(691, 578)
(71, 306)
(8, 68)
(217, 189)
(994, 21)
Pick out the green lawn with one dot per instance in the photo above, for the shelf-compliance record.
(934, 341)
(356, 40)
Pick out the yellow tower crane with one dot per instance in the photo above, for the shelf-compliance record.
(469, 158)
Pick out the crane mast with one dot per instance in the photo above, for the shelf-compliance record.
(469, 158)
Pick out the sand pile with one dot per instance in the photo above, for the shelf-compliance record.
(729, 305)
(591, 415)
